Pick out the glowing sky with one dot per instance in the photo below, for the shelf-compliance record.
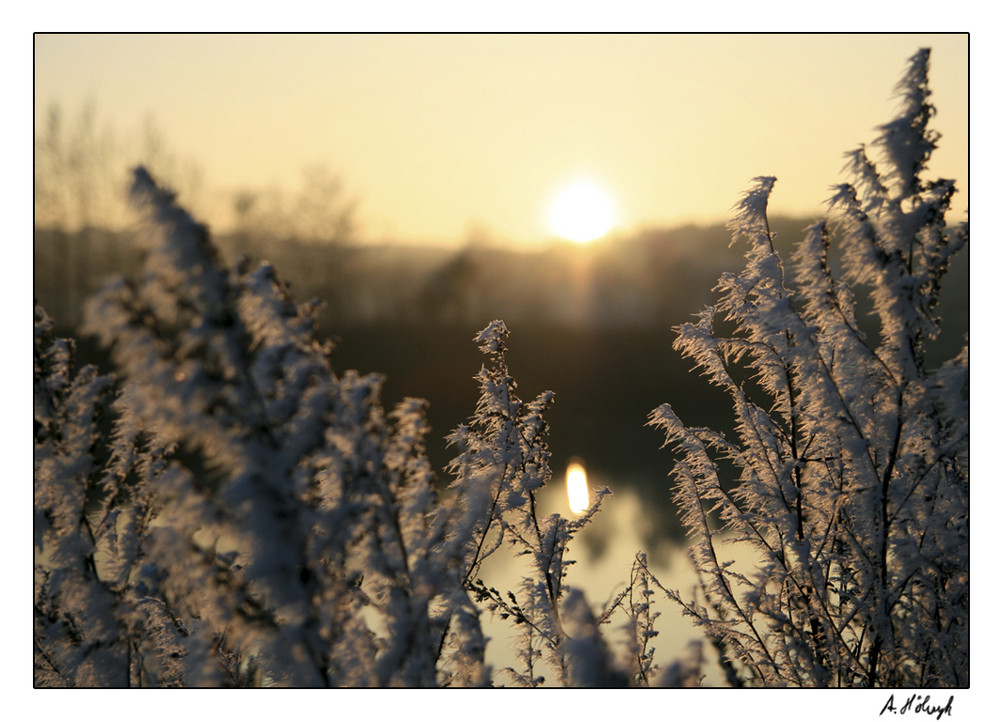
(436, 135)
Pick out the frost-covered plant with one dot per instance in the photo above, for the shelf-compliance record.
(502, 466)
(249, 503)
(76, 625)
(851, 453)
(227, 510)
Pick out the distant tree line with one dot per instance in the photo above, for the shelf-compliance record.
(649, 278)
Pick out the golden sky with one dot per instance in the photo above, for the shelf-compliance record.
(436, 135)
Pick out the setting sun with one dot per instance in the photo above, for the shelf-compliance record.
(581, 212)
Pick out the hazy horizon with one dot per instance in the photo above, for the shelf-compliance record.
(442, 137)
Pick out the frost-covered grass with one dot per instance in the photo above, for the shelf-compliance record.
(226, 509)
(852, 452)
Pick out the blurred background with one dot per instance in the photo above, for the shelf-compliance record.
(415, 184)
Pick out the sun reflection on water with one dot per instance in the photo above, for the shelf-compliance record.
(576, 487)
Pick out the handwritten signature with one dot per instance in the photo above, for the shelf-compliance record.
(920, 704)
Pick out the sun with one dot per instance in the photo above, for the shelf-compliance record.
(581, 212)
